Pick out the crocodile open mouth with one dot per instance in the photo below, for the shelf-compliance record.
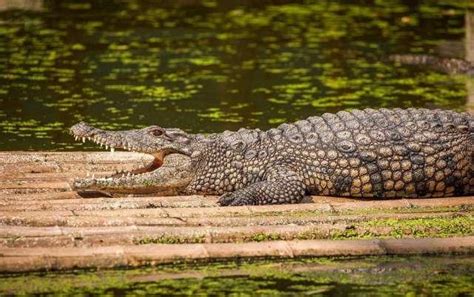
(83, 132)
(159, 176)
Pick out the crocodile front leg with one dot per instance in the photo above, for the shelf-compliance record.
(280, 185)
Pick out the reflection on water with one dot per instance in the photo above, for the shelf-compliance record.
(469, 46)
(21, 4)
(206, 66)
(369, 276)
(469, 36)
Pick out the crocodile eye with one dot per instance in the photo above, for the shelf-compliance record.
(156, 131)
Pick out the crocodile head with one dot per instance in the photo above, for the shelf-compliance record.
(169, 177)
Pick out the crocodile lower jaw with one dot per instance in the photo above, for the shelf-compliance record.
(153, 165)
(142, 180)
(170, 178)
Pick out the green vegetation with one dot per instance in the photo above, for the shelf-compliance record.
(265, 237)
(401, 228)
(213, 65)
(455, 225)
(404, 276)
(372, 211)
(170, 239)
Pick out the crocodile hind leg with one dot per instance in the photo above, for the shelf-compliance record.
(279, 186)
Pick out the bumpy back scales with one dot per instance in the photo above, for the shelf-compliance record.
(388, 153)
(361, 153)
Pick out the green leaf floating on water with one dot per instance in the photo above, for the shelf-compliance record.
(204, 61)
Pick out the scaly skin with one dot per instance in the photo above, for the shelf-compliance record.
(362, 153)
(446, 65)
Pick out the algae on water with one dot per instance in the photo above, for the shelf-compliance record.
(404, 276)
(208, 66)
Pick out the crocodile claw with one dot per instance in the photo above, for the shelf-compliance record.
(233, 199)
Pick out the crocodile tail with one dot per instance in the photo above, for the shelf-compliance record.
(413, 59)
(446, 65)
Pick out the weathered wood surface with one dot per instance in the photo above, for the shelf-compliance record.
(46, 225)
(24, 259)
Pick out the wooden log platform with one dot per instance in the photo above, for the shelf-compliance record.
(45, 225)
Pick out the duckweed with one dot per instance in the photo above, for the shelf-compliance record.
(399, 276)
(213, 65)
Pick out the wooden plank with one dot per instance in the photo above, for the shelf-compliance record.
(46, 225)
(189, 212)
(84, 158)
(54, 258)
(72, 201)
(241, 230)
(117, 212)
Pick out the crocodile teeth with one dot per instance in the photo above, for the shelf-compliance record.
(83, 139)
(106, 147)
(112, 149)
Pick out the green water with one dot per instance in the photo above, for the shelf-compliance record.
(207, 66)
(377, 276)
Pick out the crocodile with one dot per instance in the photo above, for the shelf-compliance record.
(442, 64)
(365, 153)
